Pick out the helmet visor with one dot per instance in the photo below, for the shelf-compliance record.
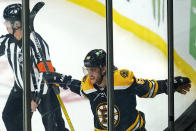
(90, 70)
(84, 70)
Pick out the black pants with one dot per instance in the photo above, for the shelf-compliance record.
(49, 109)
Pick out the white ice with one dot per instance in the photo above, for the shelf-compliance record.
(71, 31)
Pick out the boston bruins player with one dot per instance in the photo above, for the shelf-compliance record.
(126, 87)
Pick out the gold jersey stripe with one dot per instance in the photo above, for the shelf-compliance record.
(147, 94)
(99, 129)
(142, 121)
(156, 89)
(134, 124)
(151, 91)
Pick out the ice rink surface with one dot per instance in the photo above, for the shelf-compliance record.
(71, 31)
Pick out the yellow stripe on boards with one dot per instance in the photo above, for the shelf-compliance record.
(186, 68)
(141, 32)
(93, 5)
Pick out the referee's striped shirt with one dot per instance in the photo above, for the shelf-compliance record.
(12, 48)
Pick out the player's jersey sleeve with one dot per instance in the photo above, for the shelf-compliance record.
(125, 80)
(145, 88)
(3, 40)
(148, 88)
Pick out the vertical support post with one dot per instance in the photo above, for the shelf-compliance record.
(170, 64)
(26, 67)
(109, 73)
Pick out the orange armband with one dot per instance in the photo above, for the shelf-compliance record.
(41, 67)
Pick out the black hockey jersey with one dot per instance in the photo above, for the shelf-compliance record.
(126, 87)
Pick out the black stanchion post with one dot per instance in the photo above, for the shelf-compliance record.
(26, 67)
(109, 74)
(170, 64)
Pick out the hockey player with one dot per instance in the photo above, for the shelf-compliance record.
(43, 98)
(126, 87)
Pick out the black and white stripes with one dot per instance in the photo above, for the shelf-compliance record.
(12, 48)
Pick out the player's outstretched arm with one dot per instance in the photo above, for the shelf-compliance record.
(181, 85)
(64, 81)
(150, 88)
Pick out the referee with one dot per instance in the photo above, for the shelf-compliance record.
(43, 98)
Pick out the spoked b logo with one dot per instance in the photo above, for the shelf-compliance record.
(102, 114)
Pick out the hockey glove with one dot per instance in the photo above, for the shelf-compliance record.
(74, 86)
(181, 84)
(62, 80)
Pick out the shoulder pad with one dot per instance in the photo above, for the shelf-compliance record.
(123, 78)
(86, 85)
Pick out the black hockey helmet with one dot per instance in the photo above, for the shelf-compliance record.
(95, 58)
(13, 12)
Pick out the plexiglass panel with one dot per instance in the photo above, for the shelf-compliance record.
(69, 29)
(140, 38)
(185, 60)
(10, 99)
